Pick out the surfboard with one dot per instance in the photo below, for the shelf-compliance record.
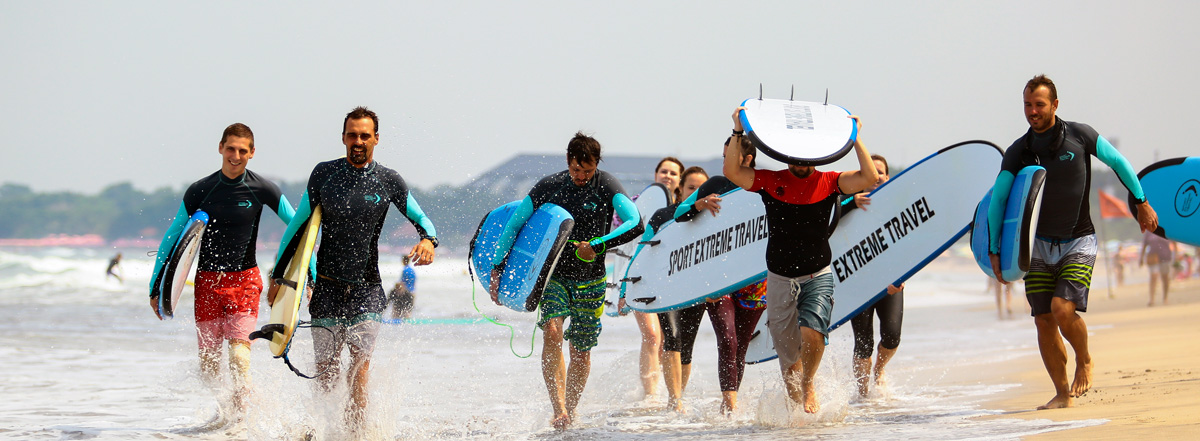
(652, 198)
(285, 312)
(1173, 188)
(1017, 230)
(173, 276)
(798, 132)
(912, 219)
(533, 257)
(707, 257)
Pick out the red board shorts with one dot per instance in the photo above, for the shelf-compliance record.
(226, 305)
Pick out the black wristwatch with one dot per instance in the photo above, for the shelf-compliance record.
(433, 240)
(739, 132)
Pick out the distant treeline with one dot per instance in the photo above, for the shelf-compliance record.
(121, 211)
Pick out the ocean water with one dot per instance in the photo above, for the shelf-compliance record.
(82, 357)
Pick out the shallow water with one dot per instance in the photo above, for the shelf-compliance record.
(82, 357)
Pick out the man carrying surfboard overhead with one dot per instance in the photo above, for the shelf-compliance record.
(1064, 249)
(228, 283)
(577, 286)
(798, 203)
(353, 194)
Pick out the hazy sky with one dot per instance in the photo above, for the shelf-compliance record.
(93, 93)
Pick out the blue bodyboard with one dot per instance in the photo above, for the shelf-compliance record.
(173, 276)
(1019, 226)
(533, 257)
(1173, 188)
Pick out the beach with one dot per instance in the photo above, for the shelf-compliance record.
(1146, 375)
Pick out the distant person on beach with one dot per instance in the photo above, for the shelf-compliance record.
(798, 203)
(889, 309)
(228, 283)
(348, 300)
(114, 268)
(1158, 261)
(1064, 251)
(576, 287)
(1003, 297)
(404, 293)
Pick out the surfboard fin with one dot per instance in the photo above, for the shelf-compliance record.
(793, 97)
(760, 91)
(634, 279)
(621, 253)
(645, 300)
(826, 95)
(287, 283)
(268, 331)
(650, 242)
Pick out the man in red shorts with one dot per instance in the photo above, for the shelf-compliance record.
(228, 284)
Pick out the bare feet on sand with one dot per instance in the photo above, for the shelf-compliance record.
(809, 393)
(1083, 379)
(561, 422)
(1058, 402)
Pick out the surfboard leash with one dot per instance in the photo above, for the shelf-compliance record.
(512, 332)
(266, 333)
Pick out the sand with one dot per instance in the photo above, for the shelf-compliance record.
(1146, 375)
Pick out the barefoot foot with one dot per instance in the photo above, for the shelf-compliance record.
(1058, 402)
(1083, 379)
(561, 422)
(809, 395)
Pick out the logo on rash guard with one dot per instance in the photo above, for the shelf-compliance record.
(372, 198)
(1067, 156)
(245, 204)
(590, 206)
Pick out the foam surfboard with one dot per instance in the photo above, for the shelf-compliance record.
(285, 312)
(173, 276)
(1021, 214)
(652, 198)
(709, 256)
(1173, 188)
(533, 257)
(912, 219)
(798, 132)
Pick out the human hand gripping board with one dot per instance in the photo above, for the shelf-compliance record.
(533, 256)
(652, 198)
(913, 218)
(285, 312)
(1018, 228)
(1173, 188)
(173, 276)
(798, 132)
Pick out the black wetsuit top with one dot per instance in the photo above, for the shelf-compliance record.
(592, 206)
(234, 207)
(798, 212)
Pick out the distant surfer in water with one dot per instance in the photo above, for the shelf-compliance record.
(228, 284)
(576, 288)
(114, 268)
(347, 299)
(1064, 250)
(798, 202)
(404, 292)
(890, 309)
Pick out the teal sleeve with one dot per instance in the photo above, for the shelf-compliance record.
(509, 235)
(1112, 158)
(168, 241)
(684, 206)
(1000, 191)
(286, 247)
(630, 219)
(285, 211)
(416, 216)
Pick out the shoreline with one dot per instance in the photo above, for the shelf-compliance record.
(1146, 374)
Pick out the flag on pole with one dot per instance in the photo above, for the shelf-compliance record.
(1111, 207)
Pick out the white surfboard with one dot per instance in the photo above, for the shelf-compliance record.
(911, 220)
(688, 262)
(652, 198)
(798, 132)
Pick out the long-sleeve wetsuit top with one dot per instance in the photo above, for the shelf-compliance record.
(798, 213)
(1065, 152)
(234, 208)
(592, 205)
(354, 204)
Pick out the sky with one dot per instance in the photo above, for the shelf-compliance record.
(97, 93)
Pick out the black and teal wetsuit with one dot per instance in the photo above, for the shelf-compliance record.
(1065, 152)
(592, 206)
(234, 207)
(354, 205)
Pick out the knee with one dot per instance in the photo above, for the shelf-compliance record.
(889, 341)
(239, 358)
(552, 330)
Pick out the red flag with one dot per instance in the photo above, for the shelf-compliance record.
(1111, 207)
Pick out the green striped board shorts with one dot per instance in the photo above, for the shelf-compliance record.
(582, 302)
(1060, 268)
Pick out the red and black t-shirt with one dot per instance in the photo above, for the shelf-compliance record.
(798, 212)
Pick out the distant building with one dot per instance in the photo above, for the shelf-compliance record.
(513, 179)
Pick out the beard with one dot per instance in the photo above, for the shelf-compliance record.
(807, 171)
(357, 158)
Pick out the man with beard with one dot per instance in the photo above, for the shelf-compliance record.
(798, 202)
(1060, 268)
(347, 298)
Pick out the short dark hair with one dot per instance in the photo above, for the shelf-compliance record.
(1039, 81)
(884, 161)
(746, 147)
(361, 112)
(691, 171)
(239, 130)
(583, 149)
